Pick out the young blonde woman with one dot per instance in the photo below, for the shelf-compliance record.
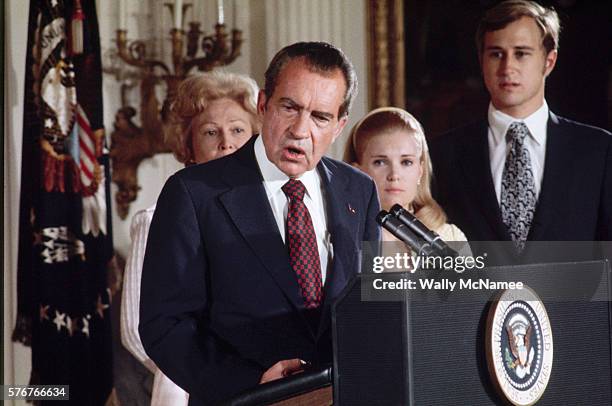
(213, 115)
(389, 145)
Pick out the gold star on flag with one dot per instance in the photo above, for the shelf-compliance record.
(72, 325)
(37, 238)
(43, 312)
(100, 307)
(69, 325)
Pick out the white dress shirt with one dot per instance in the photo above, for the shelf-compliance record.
(274, 179)
(499, 146)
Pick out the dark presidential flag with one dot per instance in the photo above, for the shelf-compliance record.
(65, 240)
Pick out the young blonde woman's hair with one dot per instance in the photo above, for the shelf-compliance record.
(195, 94)
(382, 121)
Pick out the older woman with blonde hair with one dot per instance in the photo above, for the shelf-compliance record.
(203, 102)
(213, 115)
(389, 145)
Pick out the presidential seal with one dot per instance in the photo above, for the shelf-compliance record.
(519, 346)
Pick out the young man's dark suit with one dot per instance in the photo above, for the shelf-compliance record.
(575, 200)
(220, 272)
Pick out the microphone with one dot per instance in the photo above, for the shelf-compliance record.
(415, 225)
(403, 233)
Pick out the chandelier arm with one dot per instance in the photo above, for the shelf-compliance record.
(134, 54)
(132, 143)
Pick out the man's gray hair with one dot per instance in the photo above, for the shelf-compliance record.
(320, 57)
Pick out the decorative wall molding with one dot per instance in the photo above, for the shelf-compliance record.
(386, 53)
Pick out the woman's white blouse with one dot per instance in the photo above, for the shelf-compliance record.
(165, 392)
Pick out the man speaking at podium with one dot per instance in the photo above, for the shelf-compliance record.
(246, 253)
(524, 174)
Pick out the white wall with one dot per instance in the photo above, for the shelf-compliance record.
(267, 26)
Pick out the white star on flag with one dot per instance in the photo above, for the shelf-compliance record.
(85, 328)
(59, 320)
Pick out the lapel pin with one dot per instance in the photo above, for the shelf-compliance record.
(351, 209)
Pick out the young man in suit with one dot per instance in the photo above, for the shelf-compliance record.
(246, 253)
(524, 174)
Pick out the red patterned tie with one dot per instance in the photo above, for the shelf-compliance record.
(302, 240)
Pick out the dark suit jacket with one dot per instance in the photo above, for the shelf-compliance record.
(220, 302)
(575, 201)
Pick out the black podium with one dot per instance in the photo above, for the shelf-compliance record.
(429, 347)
